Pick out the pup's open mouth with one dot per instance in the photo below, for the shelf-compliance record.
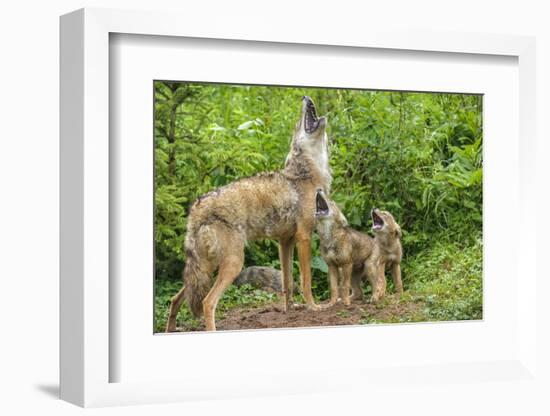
(377, 220)
(321, 205)
(310, 120)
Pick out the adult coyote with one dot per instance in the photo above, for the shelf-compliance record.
(279, 205)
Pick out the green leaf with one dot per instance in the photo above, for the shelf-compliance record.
(318, 263)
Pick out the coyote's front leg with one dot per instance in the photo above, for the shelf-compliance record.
(304, 257)
(396, 275)
(333, 280)
(286, 251)
(346, 283)
(377, 280)
(379, 283)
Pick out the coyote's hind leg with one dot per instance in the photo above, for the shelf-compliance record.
(175, 305)
(229, 269)
(356, 291)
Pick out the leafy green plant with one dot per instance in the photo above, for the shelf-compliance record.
(448, 278)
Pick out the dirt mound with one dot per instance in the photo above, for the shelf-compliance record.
(271, 316)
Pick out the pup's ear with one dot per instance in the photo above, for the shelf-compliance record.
(398, 233)
(344, 220)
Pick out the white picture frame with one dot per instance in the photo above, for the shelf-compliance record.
(85, 352)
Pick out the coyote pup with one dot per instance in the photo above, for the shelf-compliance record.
(345, 250)
(278, 205)
(353, 256)
(387, 255)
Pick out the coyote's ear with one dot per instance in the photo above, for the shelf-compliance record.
(398, 233)
(344, 220)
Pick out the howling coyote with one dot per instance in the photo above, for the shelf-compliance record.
(279, 205)
(353, 256)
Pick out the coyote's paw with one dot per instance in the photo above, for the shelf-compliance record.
(280, 308)
(313, 307)
(327, 305)
(374, 299)
(171, 326)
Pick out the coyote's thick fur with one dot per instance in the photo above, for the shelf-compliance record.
(353, 256)
(388, 253)
(279, 205)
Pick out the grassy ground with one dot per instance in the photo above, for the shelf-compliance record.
(442, 283)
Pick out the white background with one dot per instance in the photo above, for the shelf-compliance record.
(29, 217)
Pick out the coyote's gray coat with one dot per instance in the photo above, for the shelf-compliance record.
(278, 205)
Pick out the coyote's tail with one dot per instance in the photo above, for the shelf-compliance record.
(197, 282)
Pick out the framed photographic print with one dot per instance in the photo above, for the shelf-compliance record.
(232, 152)
(235, 209)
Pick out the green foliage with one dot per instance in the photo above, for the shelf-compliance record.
(448, 279)
(418, 155)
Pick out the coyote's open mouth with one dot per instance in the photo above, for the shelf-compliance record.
(377, 220)
(310, 120)
(321, 205)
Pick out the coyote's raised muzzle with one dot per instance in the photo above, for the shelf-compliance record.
(310, 121)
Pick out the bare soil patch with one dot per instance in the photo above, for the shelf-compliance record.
(390, 310)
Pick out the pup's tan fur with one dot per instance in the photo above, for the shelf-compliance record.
(345, 250)
(279, 205)
(387, 255)
(353, 256)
